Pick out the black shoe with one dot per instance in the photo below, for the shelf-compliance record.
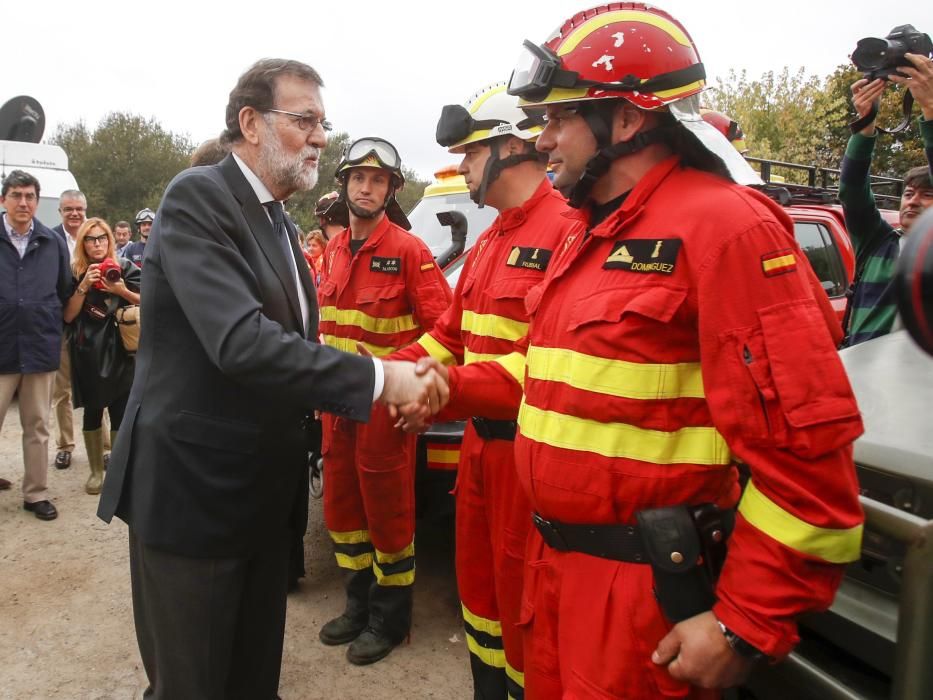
(369, 647)
(43, 510)
(62, 459)
(341, 630)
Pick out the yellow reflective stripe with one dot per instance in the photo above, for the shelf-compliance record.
(470, 357)
(514, 364)
(392, 557)
(685, 446)
(405, 578)
(490, 657)
(451, 456)
(837, 546)
(517, 676)
(436, 350)
(481, 624)
(351, 537)
(357, 563)
(492, 326)
(373, 324)
(349, 345)
(630, 380)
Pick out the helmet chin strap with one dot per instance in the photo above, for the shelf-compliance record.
(599, 119)
(494, 167)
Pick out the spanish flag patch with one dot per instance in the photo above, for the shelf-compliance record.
(778, 262)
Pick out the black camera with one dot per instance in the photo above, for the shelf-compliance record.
(879, 58)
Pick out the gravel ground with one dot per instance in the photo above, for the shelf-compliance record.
(67, 622)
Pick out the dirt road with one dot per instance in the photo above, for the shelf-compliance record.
(66, 623)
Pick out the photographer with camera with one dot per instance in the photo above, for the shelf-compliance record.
(102, 370)
(872, 308)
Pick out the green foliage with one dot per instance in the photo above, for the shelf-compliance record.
(799, 118)
(301, 205)
(125, 164)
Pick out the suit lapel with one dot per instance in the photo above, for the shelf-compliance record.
(261, 228)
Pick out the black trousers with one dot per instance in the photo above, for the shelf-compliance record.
(210, 629)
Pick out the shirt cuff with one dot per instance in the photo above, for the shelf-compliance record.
(379, 379)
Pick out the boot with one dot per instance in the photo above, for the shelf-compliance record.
(389, 624)
(113, 441)
(94, 444)
(352, 622)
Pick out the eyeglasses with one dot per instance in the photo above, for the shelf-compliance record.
(94, 240)
(18, 196)
(305, 122)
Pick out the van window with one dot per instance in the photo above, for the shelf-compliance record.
(820, 248)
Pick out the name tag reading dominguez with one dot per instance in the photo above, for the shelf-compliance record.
(644, 255)
(391, 266)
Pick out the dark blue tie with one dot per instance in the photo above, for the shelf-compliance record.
(277, 212)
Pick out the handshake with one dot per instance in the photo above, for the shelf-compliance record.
(414, 391)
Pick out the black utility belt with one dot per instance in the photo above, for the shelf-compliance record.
(494, 429)
(685, 546)
(617, 542)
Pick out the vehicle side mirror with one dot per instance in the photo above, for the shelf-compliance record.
(458, 236)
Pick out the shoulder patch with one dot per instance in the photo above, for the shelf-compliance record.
(779, 262)
(645, 255)
(529, 258)
(390, 266)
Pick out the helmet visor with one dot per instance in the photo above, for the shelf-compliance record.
(456, 124)
(383, 151)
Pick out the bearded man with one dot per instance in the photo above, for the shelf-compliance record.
(207, 467)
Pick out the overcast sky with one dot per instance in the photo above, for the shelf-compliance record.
(388, 67)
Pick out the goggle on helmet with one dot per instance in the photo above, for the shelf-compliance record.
(372, 152)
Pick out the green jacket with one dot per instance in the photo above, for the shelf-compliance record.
(877, 243)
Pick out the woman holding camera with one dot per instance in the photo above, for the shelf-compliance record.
(102, 370)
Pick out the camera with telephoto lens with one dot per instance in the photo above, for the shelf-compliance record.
(110, 271)
(880, 58)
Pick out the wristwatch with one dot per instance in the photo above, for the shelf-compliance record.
(740, 646)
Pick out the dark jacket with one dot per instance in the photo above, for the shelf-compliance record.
(212, 445)
(101, 370)
(33, 291)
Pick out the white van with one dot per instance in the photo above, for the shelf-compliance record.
(49, 165)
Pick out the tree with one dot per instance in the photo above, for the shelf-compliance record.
(125, 164)
(799, 118)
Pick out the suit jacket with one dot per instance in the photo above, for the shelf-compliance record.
(212, 444)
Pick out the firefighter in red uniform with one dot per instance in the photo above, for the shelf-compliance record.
(682, 334)
(502, 169)
(379, 288)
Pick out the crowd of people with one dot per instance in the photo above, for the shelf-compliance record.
(622, 341)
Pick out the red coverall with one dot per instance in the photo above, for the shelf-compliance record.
(684, 333)
(485, 319)
(385, 297)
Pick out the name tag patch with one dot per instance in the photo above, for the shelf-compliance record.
(529, 258)
(645, 255)
(391, 266)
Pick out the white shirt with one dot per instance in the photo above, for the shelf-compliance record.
(265, 197)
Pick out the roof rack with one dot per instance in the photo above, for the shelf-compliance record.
(822, 185)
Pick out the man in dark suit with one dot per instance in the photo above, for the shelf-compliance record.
(210, 454)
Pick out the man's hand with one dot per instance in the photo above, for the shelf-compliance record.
(864, 94)
(696, 652)
(403, 386)
(416, 417)
(919, 81)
